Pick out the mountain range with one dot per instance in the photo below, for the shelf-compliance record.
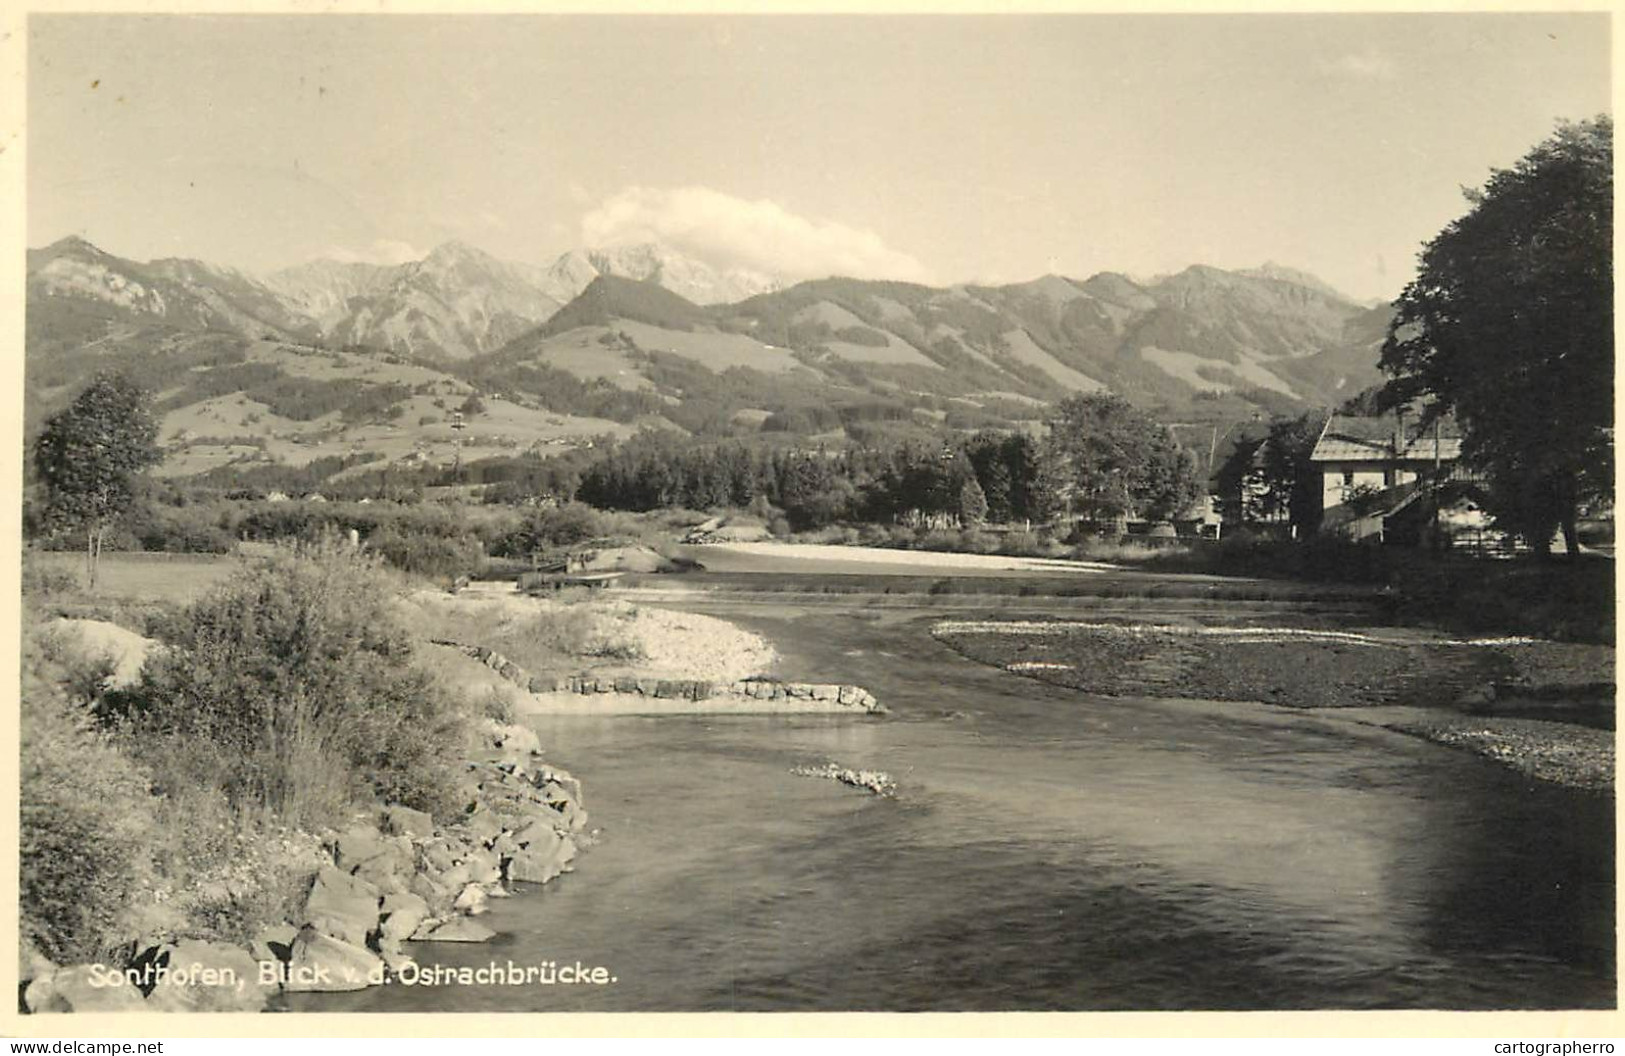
(643, 335)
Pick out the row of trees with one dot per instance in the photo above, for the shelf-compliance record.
(1101, 459)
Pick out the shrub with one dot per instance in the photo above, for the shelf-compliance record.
(552, 527)
(975, 541)
(85, 820)
(302, 676)
(425, 553)
(1022, 544)
(44, 581)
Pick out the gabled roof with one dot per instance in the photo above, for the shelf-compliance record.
(1349, 438)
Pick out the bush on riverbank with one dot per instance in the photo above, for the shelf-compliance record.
(282, 703)
(85, 822)
(296, 684)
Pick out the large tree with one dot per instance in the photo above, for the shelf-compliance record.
(1509, 323)
(1113, 461)
(88, 457)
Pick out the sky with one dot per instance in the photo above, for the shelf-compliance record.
(930, 149)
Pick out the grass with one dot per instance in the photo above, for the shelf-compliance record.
(177, 578)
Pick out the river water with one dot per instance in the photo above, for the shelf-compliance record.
(1045, 850)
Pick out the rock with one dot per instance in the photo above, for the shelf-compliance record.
(472, 900)
(520, 739)
(396, 959)
(571, 817)
(454, 878)
(437, 855)
(434, 894)
(484, 866)
(504, 845)
(483, 825)
(540, 832)
(342, 906)
(82, 988)
(559, 776)
(273, 943)
(385, 862)
(209, 977)
(542, 684)
(457, 929)
(404, 821)
(31, 963)
(402, 913)
(823, 692)
(323, 964)
(543, 860)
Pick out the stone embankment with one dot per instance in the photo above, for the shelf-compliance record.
(391, 882)
(780, 695)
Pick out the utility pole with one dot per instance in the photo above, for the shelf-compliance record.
(457, 425)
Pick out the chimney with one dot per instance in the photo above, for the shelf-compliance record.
(1399, 432)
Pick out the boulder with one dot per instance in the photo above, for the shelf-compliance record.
(402, 913)
(471, 900)
(437, 855)
(542, 860)
(571, 817)
(457, 929)
(520, 740)
(454, 878)
(539, 833)
(559, 776)
(484, 866)
(82, 988)
(483, 825)
(209, 977)
(404, 821)
(434, 894)
(31, 963)
(342, 906)
(323, 964)
(396, 959)
(273, 943)
(358, 845)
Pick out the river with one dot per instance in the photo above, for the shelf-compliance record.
(1046, 850)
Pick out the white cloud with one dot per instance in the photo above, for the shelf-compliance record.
(1366, 65)
(762, 235)
(379, 251)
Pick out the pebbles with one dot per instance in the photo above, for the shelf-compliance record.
(876, 781)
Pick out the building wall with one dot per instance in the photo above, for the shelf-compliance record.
(1341, 479)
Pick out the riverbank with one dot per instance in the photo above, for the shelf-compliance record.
(375, 891)
(618, 659)
(1542, 708)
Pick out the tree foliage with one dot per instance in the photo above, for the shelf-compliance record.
(1509, 323)
(1113, 461)
(89, 455)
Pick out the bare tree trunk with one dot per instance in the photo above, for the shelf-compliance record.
(90, 557)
